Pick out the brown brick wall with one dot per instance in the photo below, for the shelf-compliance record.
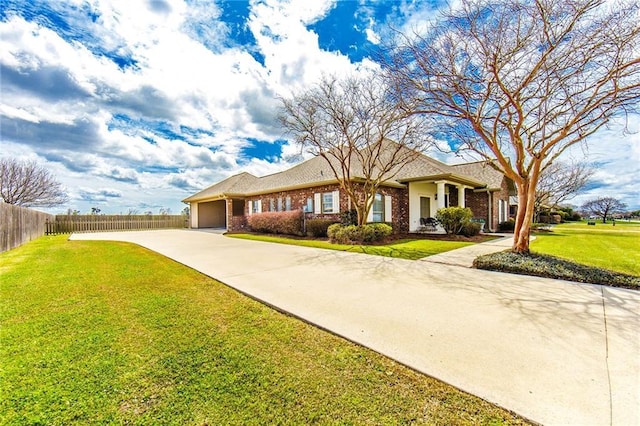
(478, 202)
(399, 205)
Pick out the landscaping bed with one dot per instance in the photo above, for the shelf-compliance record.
(543, 265)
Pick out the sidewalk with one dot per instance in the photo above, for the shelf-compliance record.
(464, 256)
(552, 351)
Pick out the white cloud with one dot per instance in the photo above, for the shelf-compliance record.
(189, 78)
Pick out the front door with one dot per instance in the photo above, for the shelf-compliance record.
(425, 207)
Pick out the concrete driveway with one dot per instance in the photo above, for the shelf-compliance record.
(553, 351)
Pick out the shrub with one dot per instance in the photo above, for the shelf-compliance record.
(507, 226)
(380, 230)
(352, 234)
(471, 229)
(318, 227)
(453, 219)
(277, 222)
(349, 217)
(575, 217)
(333, 230)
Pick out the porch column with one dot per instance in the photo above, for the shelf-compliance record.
(461, 202)
(440, 194)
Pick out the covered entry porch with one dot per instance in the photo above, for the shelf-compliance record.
(427, 196)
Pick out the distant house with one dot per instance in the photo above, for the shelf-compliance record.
(420, 188)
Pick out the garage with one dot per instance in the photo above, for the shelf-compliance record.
(212, 214)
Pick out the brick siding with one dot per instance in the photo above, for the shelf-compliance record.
(399, 205)
(478, 202)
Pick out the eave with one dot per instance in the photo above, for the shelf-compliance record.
(449, 177)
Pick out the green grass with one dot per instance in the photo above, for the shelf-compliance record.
(616, 248)
(406, 249)
(106, 332)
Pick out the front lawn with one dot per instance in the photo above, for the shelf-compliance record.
(604, 245)
(406, 248)
(107, 332)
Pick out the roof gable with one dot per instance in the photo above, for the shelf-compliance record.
(482, 171)
(236, 184)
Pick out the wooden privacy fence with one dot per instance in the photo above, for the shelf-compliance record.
(66, 224)
(19, 225)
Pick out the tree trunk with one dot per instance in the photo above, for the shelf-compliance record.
(522, 229)
(361, 215)
(363, 210)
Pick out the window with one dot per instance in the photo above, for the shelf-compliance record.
(378, 208)
(287, 203)
(308, 208)
(256, 206)
(327, 202)
(280, 204)
(272, 204)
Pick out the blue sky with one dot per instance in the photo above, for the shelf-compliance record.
(136, 105)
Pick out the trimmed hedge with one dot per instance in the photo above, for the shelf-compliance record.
(352, 234)
(317, 228)
(289, 223)
(458, 221)
(507, 226)
(470, 229)
(542, 265)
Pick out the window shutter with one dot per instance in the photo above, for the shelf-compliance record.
(250, 203)
(317, 203)
(336, 202)
(387, 209)
(370, 214)
(259, 206)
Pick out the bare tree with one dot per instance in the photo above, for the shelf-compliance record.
(521, 81)
(27, 184)
(603, 207)
(354, 124)
(560, 182)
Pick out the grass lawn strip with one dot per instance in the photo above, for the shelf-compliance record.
(106, 332)
(411, 249)
(616, 248)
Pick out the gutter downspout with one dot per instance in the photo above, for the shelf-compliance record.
(490, 218)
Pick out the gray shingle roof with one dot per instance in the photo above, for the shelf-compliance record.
(316, 171)
(236, 184)
(482, 171)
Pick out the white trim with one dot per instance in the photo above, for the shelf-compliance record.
(388, 215)
(193, 212)
(317, 203)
